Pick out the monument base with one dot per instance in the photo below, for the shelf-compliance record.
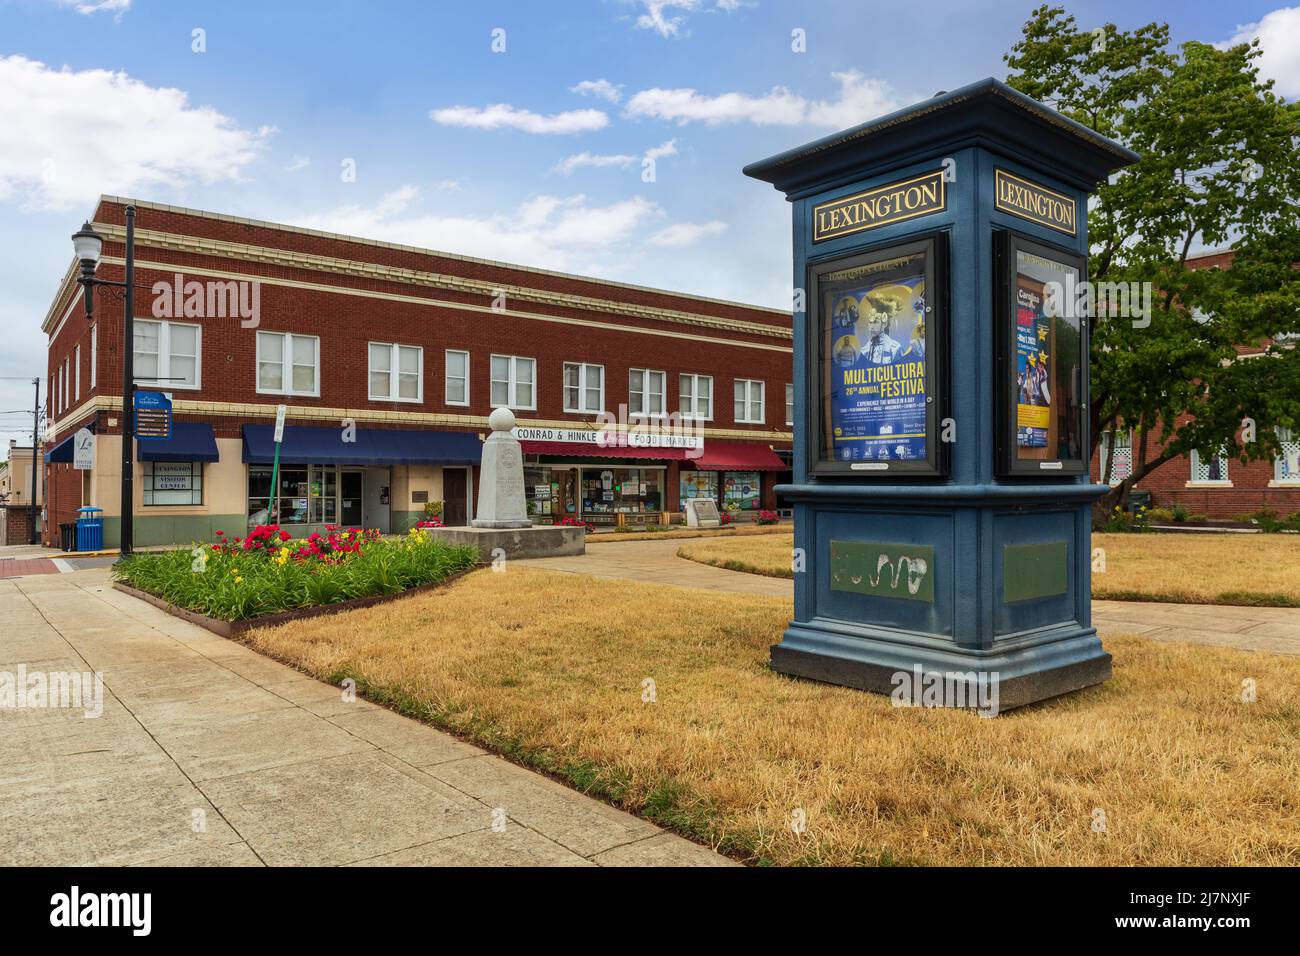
(1028, 672)
(533, 541)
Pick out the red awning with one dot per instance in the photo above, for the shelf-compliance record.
(733, 456)
(574, 450)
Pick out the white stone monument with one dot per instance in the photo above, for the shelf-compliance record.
(501, 501)
(502, 528)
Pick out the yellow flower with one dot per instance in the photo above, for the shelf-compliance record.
(238, 579)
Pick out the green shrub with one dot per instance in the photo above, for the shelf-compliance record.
(1267, 520)
(1162, 515)
(1198, 519)
(1180, 513)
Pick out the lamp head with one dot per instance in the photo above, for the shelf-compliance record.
(87, 245)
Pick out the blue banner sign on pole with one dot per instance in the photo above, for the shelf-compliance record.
(153, 415)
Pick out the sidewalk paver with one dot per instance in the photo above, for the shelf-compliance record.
(208, 753)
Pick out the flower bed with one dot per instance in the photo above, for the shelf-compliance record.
(269, 571)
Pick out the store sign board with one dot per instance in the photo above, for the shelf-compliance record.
(1038, 204)
(83, 450)
(604, 439)
(173, 476)
(153, 415)
(895, 202)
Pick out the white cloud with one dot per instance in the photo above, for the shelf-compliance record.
(686, 233)
(667, 17)
(663, 149)
(623, 160)
(779, 107)
(1279, 39)
(546, 231)
(505, 116)
(601, 88)
(569, 164)
(88, 7)
(66, 137)
(860, 99)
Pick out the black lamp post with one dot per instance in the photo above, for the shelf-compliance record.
(88, 245)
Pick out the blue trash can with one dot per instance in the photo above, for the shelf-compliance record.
(90, 529)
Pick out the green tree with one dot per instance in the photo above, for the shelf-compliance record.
(1219, 167)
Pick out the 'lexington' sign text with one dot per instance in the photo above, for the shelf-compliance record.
(895, 202)
(1036, 203)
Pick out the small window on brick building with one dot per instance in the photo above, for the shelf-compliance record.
(1118, 458)
(1286, 467)
(1209, 471)
(584, 387)
(457, 378)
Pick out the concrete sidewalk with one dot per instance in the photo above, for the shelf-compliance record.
(207, 753)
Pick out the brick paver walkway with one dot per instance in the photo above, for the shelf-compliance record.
(19, 567)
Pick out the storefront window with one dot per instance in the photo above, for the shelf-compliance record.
(698, 484)
(607, 492)
(307, 494)
(742, 491)
(172, 483)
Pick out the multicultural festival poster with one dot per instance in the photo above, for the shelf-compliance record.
(875, 379)
(1033, 368)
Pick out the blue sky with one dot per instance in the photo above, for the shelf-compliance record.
(523, 155)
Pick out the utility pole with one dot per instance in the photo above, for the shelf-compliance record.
(36, 450)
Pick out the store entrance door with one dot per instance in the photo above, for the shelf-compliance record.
(375, 508)
(455, 496)
(350, 485)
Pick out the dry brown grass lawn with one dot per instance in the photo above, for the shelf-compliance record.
(548, 669)
(1261, 569)
(1255, 569)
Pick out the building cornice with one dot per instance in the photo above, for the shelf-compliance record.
(314, 414)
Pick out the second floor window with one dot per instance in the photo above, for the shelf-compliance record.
(457, 378)
(288, 364)
(166, 354)
(645, 392)
(396, 373)
(696, 396)
(584, 387)
(749, 401)
(514, 383)
(789, 404)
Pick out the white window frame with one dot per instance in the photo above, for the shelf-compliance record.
(1194, 458)
(748, 384)
(582, 388)
(512, 381)
(789, 404)
(165, 355)
(1286, 437)
(695, 378)
(447, 376)
(286, 365)
(1104, 452)
(394, 374)
(94, 353)
(646, 393)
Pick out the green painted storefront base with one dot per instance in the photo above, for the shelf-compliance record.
(151, 530)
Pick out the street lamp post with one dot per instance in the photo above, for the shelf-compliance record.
(88, 244)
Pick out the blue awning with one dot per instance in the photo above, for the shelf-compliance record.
(62, 452)
(189, 441)
(305, 445)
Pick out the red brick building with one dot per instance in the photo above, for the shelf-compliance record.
(1220, 488)
(389, 359)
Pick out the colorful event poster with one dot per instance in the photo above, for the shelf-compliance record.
(875, 380)
(1033, 366)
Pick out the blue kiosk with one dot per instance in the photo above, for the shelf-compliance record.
(941, 490)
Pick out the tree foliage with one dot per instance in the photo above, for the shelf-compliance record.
(1219, 167)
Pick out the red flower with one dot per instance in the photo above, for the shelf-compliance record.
(284, 536)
